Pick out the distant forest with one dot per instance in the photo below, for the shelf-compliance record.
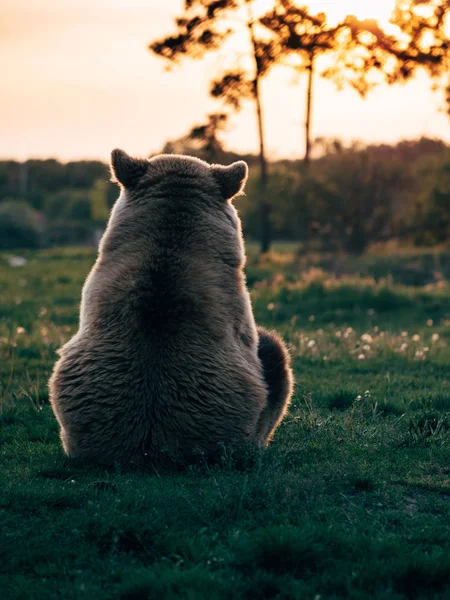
(346, 199)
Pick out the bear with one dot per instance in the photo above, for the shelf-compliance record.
(168, 363)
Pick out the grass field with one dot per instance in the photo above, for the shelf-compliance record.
(351, 500)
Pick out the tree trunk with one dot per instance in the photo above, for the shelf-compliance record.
(309, 94)
(264, 206)
(266, 233)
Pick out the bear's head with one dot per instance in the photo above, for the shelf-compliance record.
(133, 173)
(177, 201)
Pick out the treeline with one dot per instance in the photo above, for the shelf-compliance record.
(355, 196)
(348, 197)
(46, 202)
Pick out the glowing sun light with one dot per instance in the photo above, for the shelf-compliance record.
(337, 10)
(380, 10)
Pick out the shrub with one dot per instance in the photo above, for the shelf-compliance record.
(20, 225)
(69, 204)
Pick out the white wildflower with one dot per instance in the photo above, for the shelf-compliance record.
(366, 337)
(16, 261)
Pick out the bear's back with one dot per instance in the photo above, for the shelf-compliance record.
(161, 393)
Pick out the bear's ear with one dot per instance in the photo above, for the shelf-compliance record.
(125, 169)
(231, 179)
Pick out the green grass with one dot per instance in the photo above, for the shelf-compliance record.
(351, 500)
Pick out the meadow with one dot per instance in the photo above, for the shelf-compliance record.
(351, 499)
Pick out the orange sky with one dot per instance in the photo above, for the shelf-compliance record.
(77, 81)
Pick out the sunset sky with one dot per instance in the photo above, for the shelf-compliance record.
(77, 81)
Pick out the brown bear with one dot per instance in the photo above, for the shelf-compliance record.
(168, 361)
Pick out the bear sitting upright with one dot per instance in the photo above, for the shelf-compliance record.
(168, 361)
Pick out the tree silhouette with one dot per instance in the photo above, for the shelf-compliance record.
(367, 52)
(360, 57)
(202, 140)
(204, 27)
(304, 36)
(207, 135)
(362, 53)
(426, 26)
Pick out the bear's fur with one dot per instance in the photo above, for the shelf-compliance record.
(167, 361)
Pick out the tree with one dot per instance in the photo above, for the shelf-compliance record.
(363, 54)
(432, 220)
(206, 137)
(204, 27)
(299, 34)
(98, 196)
(69, 204)
(425, 25)
(356, 192)
(202, 140)
(21, 226)
(430, 215)
(421, 41)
